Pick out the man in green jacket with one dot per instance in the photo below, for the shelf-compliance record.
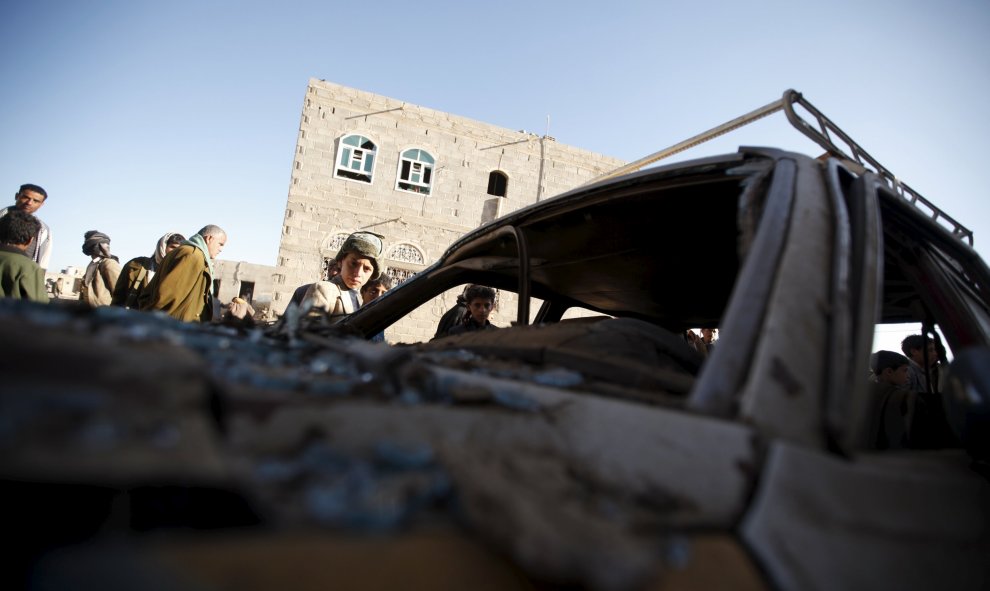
(20, 277)
(183, 285)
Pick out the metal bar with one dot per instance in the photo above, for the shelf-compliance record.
(863, 158)
(821, 136)
(701, 138)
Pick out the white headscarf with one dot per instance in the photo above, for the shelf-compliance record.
(160, 249)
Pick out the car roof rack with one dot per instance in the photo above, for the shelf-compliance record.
(823, 135)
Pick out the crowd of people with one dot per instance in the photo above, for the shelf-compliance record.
(176, 279)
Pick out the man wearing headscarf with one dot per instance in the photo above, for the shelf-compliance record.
(102, 272)
(139, 271)
(183, 285)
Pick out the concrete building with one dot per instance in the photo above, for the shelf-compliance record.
(65, 283)
(250, 281)
(422, 178)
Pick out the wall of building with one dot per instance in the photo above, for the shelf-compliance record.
(65, 283)
(323, 207)
(240, 278)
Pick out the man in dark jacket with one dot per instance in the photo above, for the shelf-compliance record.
(20, 277)
(139, 271)
(453, 316)
(480, 303)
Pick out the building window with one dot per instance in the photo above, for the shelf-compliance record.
(398, 275)
(356, 158)
(415, 171)
(498, 183)
(404, 261)
(406, 253)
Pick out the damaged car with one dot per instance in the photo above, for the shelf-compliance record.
(587, 445)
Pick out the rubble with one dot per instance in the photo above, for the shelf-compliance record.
(317, 431)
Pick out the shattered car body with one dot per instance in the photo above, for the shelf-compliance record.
(803, 258)
(600, 452)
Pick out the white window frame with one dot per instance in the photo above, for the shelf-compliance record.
(417, 167)
(352, 160)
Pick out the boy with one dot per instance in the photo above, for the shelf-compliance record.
(360, 262)
(480, 302)
(890, 369)
(914, 347)
(899, 417)
(20, 276)
(373, 290)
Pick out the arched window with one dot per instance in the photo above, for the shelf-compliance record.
(404, 261)
(498, 183)
(356, 158)
(415, 171)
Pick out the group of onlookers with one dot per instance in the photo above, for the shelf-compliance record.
(907, 406)
(177, 278)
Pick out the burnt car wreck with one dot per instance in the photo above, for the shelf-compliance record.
(592, 452)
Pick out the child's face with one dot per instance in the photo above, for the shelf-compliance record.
(898, 377)
(355, 270)
(372, 293)
(480, 309)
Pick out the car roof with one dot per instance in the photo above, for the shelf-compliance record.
(664, 245)
(612, 247)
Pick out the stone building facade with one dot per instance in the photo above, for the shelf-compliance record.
(420, 177)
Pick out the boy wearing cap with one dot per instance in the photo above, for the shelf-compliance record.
(360, 262)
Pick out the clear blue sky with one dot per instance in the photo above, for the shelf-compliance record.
(145, 117)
